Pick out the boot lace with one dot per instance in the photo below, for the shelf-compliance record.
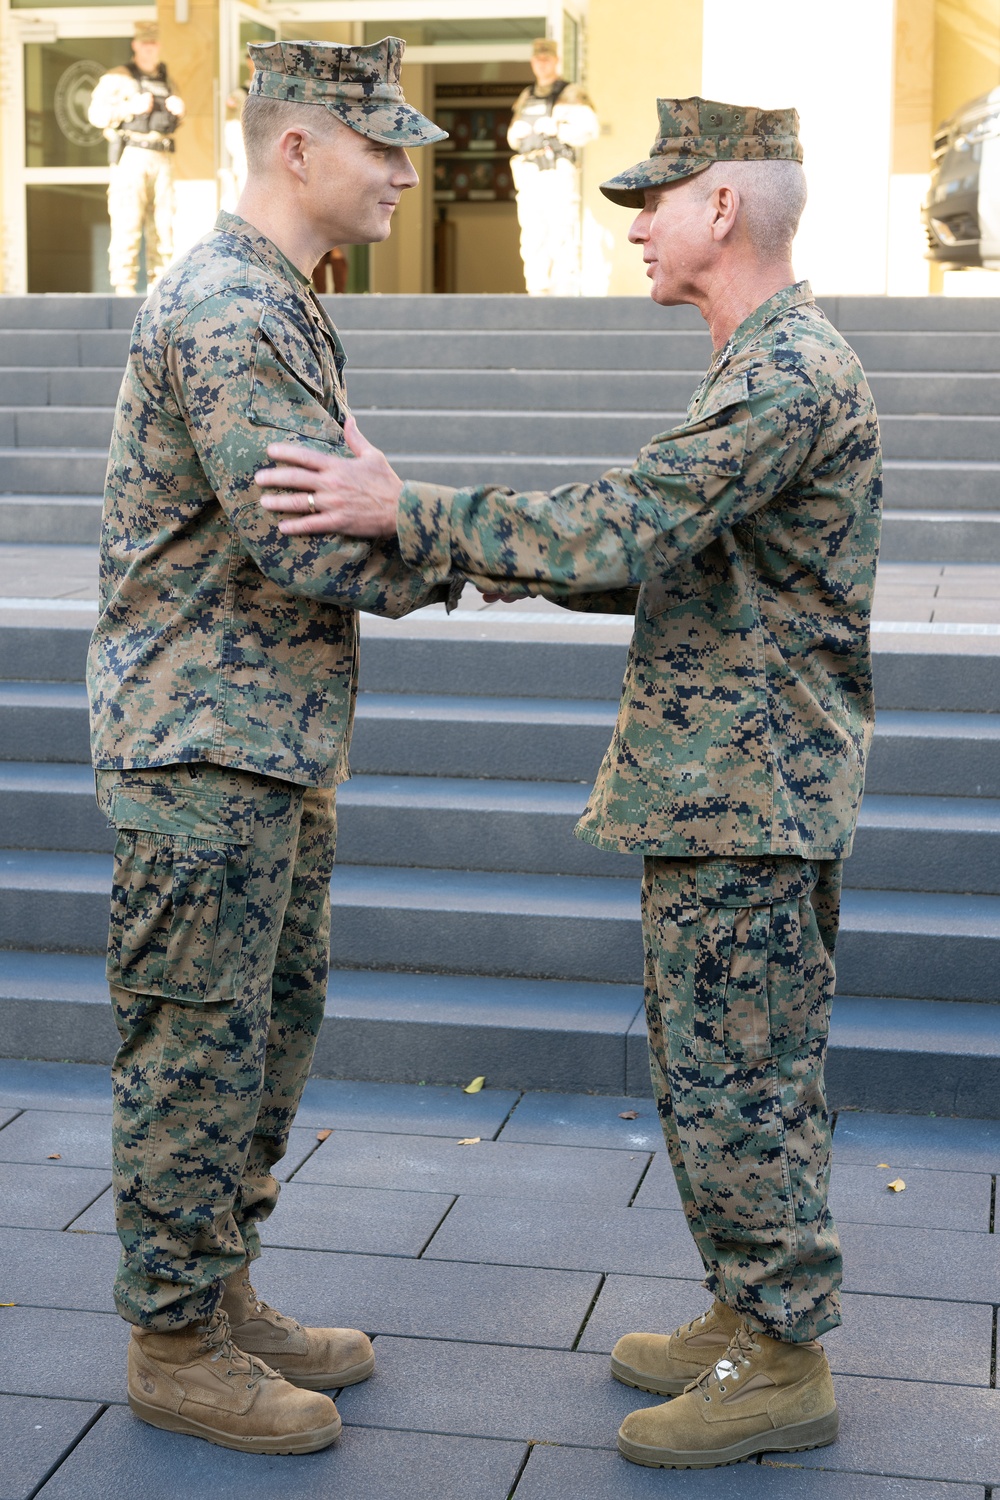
(218, 1336)
(265, 1310)
(726, 1371)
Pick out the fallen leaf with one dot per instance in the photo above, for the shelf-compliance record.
(475, 1086)
(54, 1156)
(882, 1164)
(897, 1186)
(470, 1140)
(323, 1135)
(629, 1114)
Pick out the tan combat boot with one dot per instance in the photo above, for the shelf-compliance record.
(195, 1380)
(762, 1396)
(317, 1359)
(666, 1363)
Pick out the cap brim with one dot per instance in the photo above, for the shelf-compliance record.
(396, 124)
(628, 188)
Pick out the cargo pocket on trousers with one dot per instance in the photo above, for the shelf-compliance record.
(750, 958)
(178, 910)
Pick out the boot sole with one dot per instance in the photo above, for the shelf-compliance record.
(298, 1442)
(332, 1380)
(640, 1382)
(795, 1439)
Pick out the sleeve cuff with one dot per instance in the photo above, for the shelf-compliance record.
(424, 528)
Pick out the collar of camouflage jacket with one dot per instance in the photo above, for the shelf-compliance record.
(752, 327)
(265, 250)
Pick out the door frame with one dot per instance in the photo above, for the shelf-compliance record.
(19, 28)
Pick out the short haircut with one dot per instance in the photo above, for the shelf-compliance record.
(265, 120)
(772, 197)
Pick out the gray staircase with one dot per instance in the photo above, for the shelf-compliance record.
(472, 932)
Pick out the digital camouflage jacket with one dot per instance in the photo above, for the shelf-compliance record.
(751, 531)
(220, 639)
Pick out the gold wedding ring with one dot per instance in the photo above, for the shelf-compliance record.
(311, 502)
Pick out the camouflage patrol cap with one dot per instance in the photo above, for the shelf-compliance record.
(360, 85)
(694, 133)
(544, 46)
(146, 31)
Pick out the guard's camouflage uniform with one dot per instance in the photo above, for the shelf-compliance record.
(222, 677)
(736, 768)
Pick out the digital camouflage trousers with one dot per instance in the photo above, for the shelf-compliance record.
(218, 953)
(739, 981)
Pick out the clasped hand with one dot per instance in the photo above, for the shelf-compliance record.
(356, 496)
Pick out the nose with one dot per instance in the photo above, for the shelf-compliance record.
(404, 174)
(639, 231)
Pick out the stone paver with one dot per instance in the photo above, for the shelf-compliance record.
(49, 1197)
(494, 1279)
(583, 1120)
(581, 1474)
(119, 1455)
(406, 1162)
(516, 1233)
(36, 1435)
(78, 1140)
(879, 1336)
(917, 1141)
(329, 1104)
(424, 1386)
(914, 1429)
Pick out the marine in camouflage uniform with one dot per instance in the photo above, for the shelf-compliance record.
(222, 679)
(745, 540)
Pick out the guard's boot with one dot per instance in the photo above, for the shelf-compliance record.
(317, 1359)
(666, 1363)
(762, 1396)
(196, 1380)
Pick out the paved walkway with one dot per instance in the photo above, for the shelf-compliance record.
(495, 1246)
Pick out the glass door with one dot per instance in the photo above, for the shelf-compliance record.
(239, 24)
(55, 167)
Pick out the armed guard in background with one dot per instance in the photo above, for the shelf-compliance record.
(138, 111)
(551, 121)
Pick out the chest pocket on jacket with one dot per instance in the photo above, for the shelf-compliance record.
(288, 389)
(710, 448)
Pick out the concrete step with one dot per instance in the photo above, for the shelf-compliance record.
(913, 393)
(930, 754)
(658, 348)
(956, 492)
(903, 843)
(908, 945)
(56, 519)
(414, 1028)
(73, 386)
(503, 655)
(941, 536)
(923, 314)
(526, 431)
(917, 535)
(516, 739)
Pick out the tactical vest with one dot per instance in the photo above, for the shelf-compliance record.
(544, 150)
(159, 120)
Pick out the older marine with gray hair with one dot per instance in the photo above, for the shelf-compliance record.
(745, 540)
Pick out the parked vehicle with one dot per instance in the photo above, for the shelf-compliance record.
(962, 209)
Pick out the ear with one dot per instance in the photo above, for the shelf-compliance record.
(293, 149)
(724, 206)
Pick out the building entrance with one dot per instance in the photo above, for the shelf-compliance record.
(55, 167)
